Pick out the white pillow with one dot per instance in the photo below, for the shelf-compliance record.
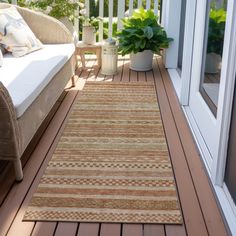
(1, 58)
(15, 34)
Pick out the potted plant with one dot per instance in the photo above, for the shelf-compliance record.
(90, 27)
(140, 37)
(215, 42)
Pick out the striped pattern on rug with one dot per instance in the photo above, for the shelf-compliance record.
(111, 163)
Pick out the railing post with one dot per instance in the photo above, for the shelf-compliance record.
(110, 18)
(120, 13)
(101, 14)
(87, 8)
(131, 7)
(148, 4)
(139, 3)
(76, 21)
(156, 8)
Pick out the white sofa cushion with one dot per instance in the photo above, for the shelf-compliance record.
(25, 77)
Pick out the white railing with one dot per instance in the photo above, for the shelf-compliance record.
(121, 9)
(120, 12)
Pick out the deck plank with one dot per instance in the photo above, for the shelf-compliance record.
(120, 66)
(126, 70)
(189, 202)
(208, 203)
(175, 230)
(133, 76)
(44, 229)
(153, 230)
(132, 229)
(110, 229)
(149, 76)
(142, 76)
(66, 229)
(88, 229)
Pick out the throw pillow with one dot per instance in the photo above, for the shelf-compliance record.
(15, 34)
(2, 49)
(1, 58)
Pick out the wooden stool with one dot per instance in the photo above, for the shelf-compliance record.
(81, 48)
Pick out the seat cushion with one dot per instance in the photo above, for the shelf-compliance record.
(25, 77)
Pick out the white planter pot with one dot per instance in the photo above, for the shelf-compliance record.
(71, 28)
(141, 61)
(213, 63)
(89, 35)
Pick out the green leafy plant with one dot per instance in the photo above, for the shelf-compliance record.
(216, 31)
(142, 32)
(55, 8)
(89, 21)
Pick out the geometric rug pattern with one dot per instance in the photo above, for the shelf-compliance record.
(111, 163)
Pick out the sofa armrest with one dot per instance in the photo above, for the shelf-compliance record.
(47, 29)
(9, 129)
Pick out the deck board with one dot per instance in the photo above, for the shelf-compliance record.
(110, 229)
(207, 201)
(153, 230)
(188, 199)
(66, 229)
(132, 229)
(44, 229)
(88, 229)
(200, 211)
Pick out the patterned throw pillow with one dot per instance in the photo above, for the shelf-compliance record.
(15, 34)
(2, 49)
(1, 58)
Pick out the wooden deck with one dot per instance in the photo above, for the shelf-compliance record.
(200, 212)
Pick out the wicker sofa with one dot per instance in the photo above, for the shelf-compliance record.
(20, 121)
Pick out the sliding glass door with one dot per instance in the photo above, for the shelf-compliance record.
(206, 76)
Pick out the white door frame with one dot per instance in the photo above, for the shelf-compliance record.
(227, 92)
(171, 21)
(219, 165)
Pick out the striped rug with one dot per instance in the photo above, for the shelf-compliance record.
(111, 163)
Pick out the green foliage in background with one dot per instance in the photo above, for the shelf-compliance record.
(216, 31)
(142, 32)
(54, 8)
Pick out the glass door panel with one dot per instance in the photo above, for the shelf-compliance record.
(230, 171)
(181, 35)
(213, 50)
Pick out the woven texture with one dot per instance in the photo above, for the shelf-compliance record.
(111, 163)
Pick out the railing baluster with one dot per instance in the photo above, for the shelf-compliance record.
(139, 3)
(120, 13)
(76, 21)
(131, 7)
(101, 14)
(148, 4)
(110, 18)
(156, 7)
(87, 8)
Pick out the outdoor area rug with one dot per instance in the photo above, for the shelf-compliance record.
(111, 163)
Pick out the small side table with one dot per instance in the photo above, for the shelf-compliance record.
(81, 48)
